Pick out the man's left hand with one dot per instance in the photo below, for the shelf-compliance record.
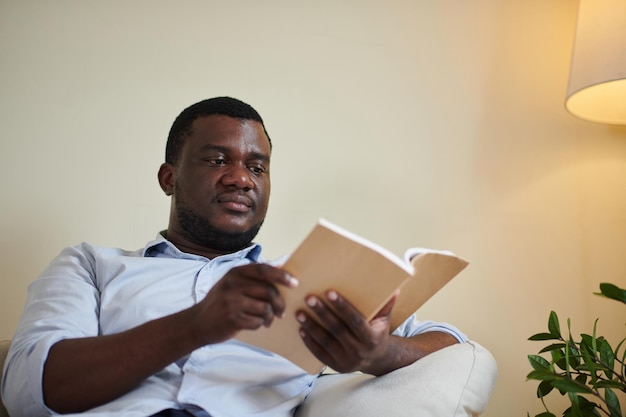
(342, 338)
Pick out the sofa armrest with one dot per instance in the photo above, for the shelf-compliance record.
(4, 349)
(454, 381)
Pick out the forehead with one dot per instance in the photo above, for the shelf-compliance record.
(228, 132)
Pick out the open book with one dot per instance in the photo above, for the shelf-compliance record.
(366, 274)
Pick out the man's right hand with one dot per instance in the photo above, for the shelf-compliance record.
(246, 298)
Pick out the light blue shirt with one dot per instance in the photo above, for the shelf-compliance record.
(89, 291)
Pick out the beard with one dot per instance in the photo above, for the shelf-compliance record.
(200, 231)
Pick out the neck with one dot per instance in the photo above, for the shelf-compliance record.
(185, 245)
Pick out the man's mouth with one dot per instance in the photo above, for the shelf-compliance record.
(236, 202)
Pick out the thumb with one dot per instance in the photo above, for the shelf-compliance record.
(385, 311)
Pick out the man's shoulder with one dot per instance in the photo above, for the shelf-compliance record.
(94, 251)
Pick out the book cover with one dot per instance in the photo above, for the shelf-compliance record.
(363, 272)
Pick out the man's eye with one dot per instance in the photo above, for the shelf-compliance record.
(216, 161)
(257, 170)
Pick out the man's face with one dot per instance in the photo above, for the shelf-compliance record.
(222, 183)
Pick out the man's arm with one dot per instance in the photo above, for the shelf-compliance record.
(82, 373)
(347, 342)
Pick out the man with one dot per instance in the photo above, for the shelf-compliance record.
(151, 332)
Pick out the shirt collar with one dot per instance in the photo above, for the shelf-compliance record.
(161, 247)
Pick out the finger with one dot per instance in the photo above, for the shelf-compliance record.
(317, 349)
(257, 312)
(268, 295)
(267, 277)
(270, 274)
(245, 317)
(329, 320)
(246, 321)
(318, 339)
(346, 313)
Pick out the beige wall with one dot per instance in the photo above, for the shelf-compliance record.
(428, 123)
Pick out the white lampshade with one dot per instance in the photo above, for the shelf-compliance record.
(597, 83)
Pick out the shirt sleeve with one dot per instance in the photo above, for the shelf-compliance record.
(62, 303)
(412, 327)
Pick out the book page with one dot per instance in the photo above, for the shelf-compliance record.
(433, 270)
(404, 263)
(411, 253)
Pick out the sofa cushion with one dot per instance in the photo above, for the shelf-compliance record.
(455, 381)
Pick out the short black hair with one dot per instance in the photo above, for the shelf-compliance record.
(225, 106)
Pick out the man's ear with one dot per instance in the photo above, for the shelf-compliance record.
(166, 175)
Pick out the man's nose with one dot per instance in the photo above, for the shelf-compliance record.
(239, 176)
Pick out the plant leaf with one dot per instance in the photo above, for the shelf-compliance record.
(612, 402)
(607, 357)
(553, 325)
(558, 358)
(588, 343)
(539, 363)
(553, 346)
(581, 407)
(570, 386)
(542, 375)
(543, 336)
(610, 384)
(589, 365)
(613, 291)
(581, 379)
(574, 410)
(544, 389)
(588, 408)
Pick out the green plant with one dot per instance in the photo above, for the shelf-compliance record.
(589, 371)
